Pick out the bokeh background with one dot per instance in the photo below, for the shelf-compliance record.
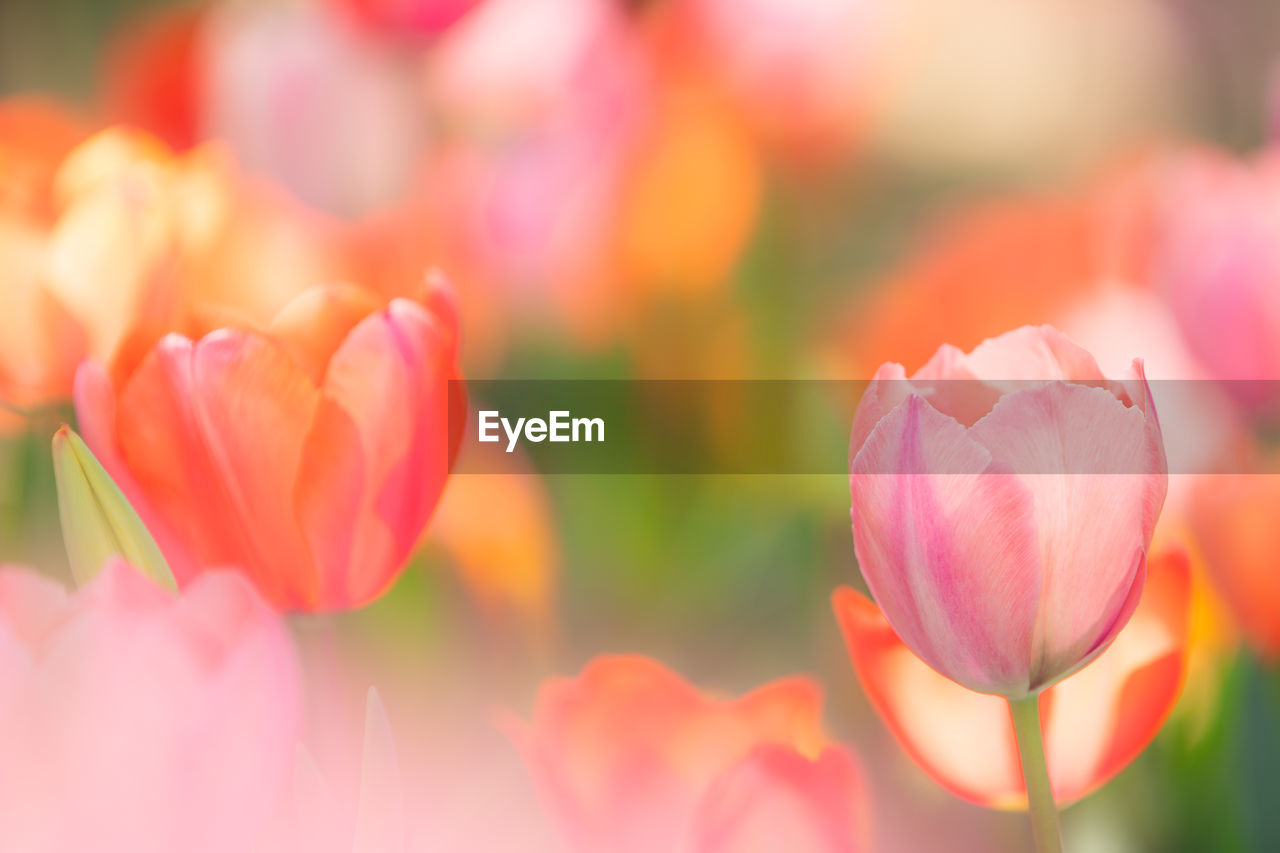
(714, 189)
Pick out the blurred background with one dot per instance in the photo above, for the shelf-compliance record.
(720, 189)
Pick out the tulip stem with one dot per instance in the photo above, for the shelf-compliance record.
(1035, 772)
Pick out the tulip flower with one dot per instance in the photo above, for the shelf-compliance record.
(1095, 722)
(139, 720)
(40, 342)
(1218, 264)
(414, 19)
(1233, 517)
(310, 454)
(97, 521)
(1003, 525)
(629, 757)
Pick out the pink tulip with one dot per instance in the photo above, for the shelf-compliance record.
(131, 719)
(1218, 263)
(1002, 525)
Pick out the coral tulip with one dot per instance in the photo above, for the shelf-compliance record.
(40, 342)
(139, 720)
(1003, 526)
(1233, 517)
(310, 453)
(1130, 690)
(629, 757)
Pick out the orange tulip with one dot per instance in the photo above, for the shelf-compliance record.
(1233, 517)
(310, 453)
(629, 757)
(40, 342)
(1095, 722)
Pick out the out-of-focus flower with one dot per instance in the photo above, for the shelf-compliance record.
(34, 137)
(995, 84)
(584, 180)
(137, 720)
(1095, 722)
(629, 757)
(153, 75)
(802, 70)
(40, 342)
(296, 92)
(310, 453)
(1079, 261)
(509, 567)
(406, 18)
(1003, 526)
(300, 97)
(98, 524)
(1233, 517)
(1000, 264)
(1218, 263)
(148, 242)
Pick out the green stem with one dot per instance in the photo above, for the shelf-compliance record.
(1035, 772)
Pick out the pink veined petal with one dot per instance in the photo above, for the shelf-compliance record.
(951, 386)
(887, 389)
(1085, 458)
(949, 552)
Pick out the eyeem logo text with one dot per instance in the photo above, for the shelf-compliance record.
(558, 426)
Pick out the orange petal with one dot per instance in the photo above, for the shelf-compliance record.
(314, 324)
(212, 432)
(1095, 722)
(392, 377)
(1234, 520)
(152, 78)
(35, 136)
(624, 752)
(776, 799)
(508, 564)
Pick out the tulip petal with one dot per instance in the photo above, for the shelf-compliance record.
(95, 403)
(215, 428)
(1033, 353)
(776, 799)
(253, 409)
(1095, 722)
(1234, 519)
(328, 496)
(949, 552)
(1085, 458)
(391, 376)
(314, 324)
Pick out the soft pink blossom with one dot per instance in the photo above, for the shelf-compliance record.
(1003, 504)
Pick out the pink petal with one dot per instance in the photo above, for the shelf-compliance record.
(777, 799)
(949, 553)
(1085, 458)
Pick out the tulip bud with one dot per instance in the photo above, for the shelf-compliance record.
(98, 522)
